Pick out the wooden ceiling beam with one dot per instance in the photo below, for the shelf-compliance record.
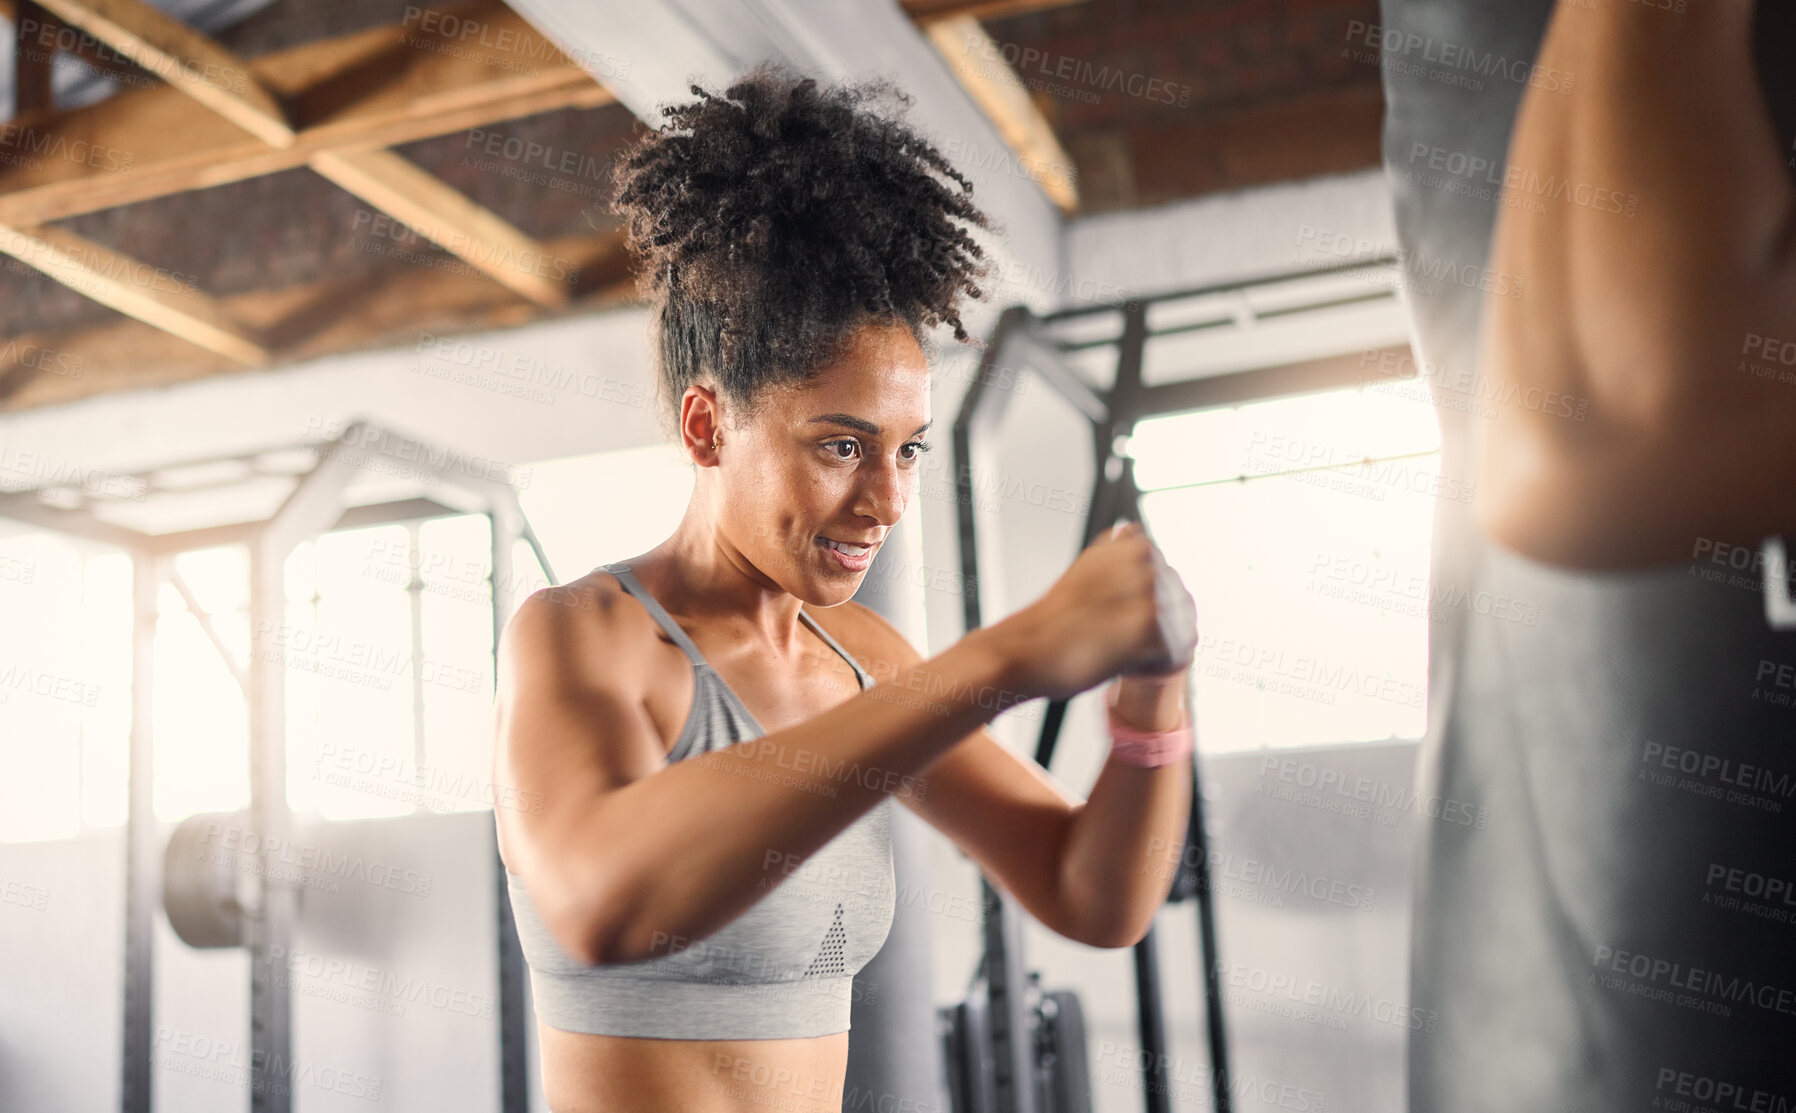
(188, 60)
(334, 105)
(30, 65)
(373, 89)
(430, 207)
(925, 12)
(90, 51)
(998, 91)
(342, 79)
(150, 294)
(388, 306)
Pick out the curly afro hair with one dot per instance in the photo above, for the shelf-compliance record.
(772, 222)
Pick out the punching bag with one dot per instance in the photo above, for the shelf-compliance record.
(894, 1052)
(1605, 918)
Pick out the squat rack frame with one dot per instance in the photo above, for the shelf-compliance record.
(314, 506)
(1023, 340)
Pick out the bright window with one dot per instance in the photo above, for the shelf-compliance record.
(65, 697)
(384, 718)
(1301, 527)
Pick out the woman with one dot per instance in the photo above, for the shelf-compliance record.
(693, 926)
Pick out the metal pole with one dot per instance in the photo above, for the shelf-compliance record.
(414, 602)
(143, 859)
(514, 1082)
(269, 925)
(1118, 499)
(1147, 967)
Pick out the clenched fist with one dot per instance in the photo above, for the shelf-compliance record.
(1119, 609)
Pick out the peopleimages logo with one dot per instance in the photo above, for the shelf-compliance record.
(1029, 61)
(1774, 898)
(1408, 52)
(1718, 1094)
(1125, 1064)
(1706, 989)
(1221, 867)
(1325, 997)
(46, 144)
(319, 860)
(1518, 180)
(1378, 796)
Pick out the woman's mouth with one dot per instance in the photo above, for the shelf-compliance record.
(850, 555)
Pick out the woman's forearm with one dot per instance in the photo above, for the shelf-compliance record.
(747, 815)
(1111, 867)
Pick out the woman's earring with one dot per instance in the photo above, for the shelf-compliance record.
(716, 441)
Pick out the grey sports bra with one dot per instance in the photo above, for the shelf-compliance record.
(783, 969)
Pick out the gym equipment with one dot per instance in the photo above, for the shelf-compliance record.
(1059, 1079)
(213, 905)
(894, 1051)
(1579, 949)
(1007, 1042)
(199, 884)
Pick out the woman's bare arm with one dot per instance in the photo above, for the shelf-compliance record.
(1123, 846)
(1657, 317)
(1095, 870)
(627, 854)
(599, 854)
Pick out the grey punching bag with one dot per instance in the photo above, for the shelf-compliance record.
(1605, 918)
(894, 1053)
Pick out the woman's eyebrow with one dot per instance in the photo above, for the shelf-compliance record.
(859, 425)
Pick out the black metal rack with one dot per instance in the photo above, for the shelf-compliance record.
(1025, 339)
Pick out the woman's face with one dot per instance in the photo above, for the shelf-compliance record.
(810, 486)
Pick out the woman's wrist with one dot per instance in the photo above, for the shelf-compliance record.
(1014, 644)
(1002, 663)
(1160, 733)
(1148, 703)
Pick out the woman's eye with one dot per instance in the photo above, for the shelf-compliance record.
(916, 449)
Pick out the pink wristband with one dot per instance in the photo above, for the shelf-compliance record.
(1148, 749)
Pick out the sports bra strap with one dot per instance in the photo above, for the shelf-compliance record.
(635, 588)
(656, 610)
(860, 674)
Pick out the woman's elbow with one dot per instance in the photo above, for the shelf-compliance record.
(582, 919)
(1105, 933)
(1117, 937)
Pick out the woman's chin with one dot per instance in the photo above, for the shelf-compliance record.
(830, 587)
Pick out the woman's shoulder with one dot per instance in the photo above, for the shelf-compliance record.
(589, 640)
(581, 619)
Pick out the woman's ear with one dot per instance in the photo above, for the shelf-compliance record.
(701, 424)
